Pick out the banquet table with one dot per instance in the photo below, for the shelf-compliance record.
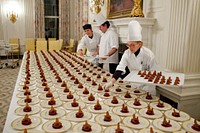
(69, 60)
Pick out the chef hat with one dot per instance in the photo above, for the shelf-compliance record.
(87, 26)
(100, 19)
(134, 31)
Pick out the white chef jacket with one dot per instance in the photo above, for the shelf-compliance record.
(90, 44)
(145, 60)
(109, 40)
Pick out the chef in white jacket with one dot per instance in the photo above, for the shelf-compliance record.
(108, 47)
(90, 41)
(136, 57)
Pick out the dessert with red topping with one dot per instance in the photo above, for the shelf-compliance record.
(106, 94)
(51, 101)
(148, 96)
(107, 117)
(150, 110)
(27, 108)
(49, 94)
(135, 120)
(52, 111)
(137, 102)
(74, 103)
(46, 88)
(79, 114)
(114, 100)
(175, 114)
(166, 123)
(70, 96)
(91, 97)
(63, 84)
(57, 124)
(100, 88)
(86, 127)
(28, 99)
(124, 109)
(196, 126)
(160, 105)
(86, 91)
(26, 120)
(127, 95)
(97, 106)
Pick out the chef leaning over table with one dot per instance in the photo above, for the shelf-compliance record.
(90, 41)
(108, 47)
(136, 57)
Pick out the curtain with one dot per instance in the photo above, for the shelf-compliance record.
(81, 17)
(39, 19)
(64, 21)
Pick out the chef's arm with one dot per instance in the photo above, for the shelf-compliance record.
(112, 51)
(97, 50)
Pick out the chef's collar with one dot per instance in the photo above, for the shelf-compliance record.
(137, 52)
(90, 37)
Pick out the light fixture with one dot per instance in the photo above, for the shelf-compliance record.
(12, 16)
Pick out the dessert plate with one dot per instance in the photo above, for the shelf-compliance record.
(122, 96)
(45, 114)
(34, 110)
(131, 104)
(65, 99)
(100, 119)
(43, 96)
(45, 104)
(85, 99)
(96, 128)
(104, 97)
(157, 114)
(41, 90)
(143, 123)
(104, 109)
(32, 94)
(166, 106)
(16, 124)
(154, 98)
(117, 111)
(48, 126)
(183, 116)
(187, 125)
(71, 116)
(135, 92)
(68, 105)
(108, 102)
(34, 101)
(175, 125)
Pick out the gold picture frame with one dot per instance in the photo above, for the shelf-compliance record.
(119, 8)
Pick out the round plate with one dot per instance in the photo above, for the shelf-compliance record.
(43, 96)
(35, 110)
(166, 106)
(113, 128)
(45, 114)
(143, 104)
(142, 92)
(104, 109)
(175, 125)
(45, 104)
(154, 98)
(31, 88)
(64, 98)
(32, 131)
(85, 99)
(68, 105)
(78, 89)
(132, 97)
(102, 95)
(100, 119)
(96, 128)
(157, 114)
(71, 116)
(117, 111)
(187, 125)
(31, 83)
(183, 116)
(108, 102)
(39, 85)
(48, 126)
(61, 91)
(16, 124)
(80, 93)
(115, 87)
(21, 94)
(41, 90)
(147, 130)
(143, 123)
(34, 101)
(95, 89)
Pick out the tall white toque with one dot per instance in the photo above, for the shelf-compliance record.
(100, 19)
(134, 31)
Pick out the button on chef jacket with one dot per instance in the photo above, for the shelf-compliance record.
(145, 60)
(89, 43)
(109, 40)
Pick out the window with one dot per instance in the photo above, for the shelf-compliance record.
(51, 19)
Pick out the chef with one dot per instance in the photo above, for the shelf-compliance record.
(89, 41)
(136, 57)
(108, 47)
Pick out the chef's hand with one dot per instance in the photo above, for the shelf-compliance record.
(108, 85)
(94, 54)
(80, 52)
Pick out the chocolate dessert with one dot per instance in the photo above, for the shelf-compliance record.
(119, 130)
(166, 123)
(25, 130)
(94, 83)
(137, 102)
(80, 86)
(98, 76)
(86, 127)
(124, 109)
(91, 97)
(51, 101)
(52, 111)
(86, 91)
(175, 114)
(49, 94)
(97, 106)
(63, 84)
(44, 84)
(160, 105)
(25, 86)
(148, 96)
(100, 88)
(88, 79)
(127, 95)
(107, 117)
(27, 92)
(74, 103)
(76, 81)
(46, 88)
(66, 89)
(149, 110)
(135, 120)
(106, 90)
(139, 73)
(136, 91)
(27, 108)
(79, 114)
(57, 124)
(84, 75)
(26, 120)
(106, 94)
(72, 78)
(104, 80)
(114, 100)
(196, 126)
(118, 89)
(70, 96)
(28, 99)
